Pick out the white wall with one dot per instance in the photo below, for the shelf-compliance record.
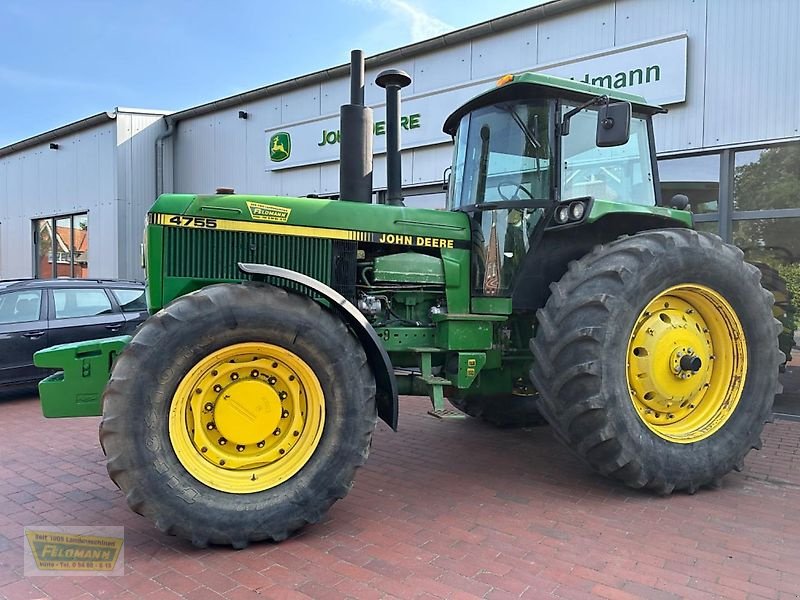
(136, 187)
(40, 182)
(107, 171)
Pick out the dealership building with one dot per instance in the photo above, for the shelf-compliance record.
(73, 200)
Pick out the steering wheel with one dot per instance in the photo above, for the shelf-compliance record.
(517, 189)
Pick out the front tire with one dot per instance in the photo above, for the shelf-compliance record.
(238, 413)
(656, 357)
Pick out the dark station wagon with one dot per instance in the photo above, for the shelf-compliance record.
(38, 313)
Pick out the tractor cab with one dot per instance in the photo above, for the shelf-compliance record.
(533, 154)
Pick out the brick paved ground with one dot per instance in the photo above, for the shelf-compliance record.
(443, 510)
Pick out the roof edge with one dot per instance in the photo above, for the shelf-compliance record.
(459, 36)
(58, 132)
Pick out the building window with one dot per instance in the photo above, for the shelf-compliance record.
(697, 177)
(61, 246)
(767, 178)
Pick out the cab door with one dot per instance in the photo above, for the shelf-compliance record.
(23, 331)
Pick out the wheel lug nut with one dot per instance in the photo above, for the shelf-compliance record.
(214, 373)
(218, 388)
(234, 376)
(240, 448)
(277, 432)
(272, 380)
(284, 414)
(295, 433)
(274, 365)
(221, 463)
(198, 391)
(209, 407)
(254, 373)
(203, 449)
(222, 441)
(260, 444)
(282, 395)
(281, 451)
(210, 426)
(291, 377)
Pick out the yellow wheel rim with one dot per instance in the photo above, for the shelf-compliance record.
(247, 417)
(686, 363)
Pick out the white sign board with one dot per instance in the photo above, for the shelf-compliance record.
(655, 69)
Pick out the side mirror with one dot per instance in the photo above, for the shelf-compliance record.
(613, 124)
(679, 201)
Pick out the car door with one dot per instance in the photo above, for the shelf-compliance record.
(82, 313)
(23, 331)
(132, 302)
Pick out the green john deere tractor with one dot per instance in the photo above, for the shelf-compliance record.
(557, 285)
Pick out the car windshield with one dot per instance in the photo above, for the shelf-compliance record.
(503, 153)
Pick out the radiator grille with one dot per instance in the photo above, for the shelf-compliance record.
(204, 254)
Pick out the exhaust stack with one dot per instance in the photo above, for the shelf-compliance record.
(393, 80)
(355, 147)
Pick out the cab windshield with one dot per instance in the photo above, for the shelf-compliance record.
(503, 153)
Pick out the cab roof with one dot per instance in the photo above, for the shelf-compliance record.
(528, 85)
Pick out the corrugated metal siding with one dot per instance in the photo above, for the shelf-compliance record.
(573, 34)
(40, 182)
(681, 129)
(136, 190)
(752, 71)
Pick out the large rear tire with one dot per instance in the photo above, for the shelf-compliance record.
(657, 359)
(238, 413)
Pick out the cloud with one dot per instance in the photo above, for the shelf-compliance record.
(421, 25)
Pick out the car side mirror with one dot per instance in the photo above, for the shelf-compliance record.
(613, 124)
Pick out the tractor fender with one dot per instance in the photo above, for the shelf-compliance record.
(378, 358)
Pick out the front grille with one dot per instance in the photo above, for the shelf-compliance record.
(208, 254)
(344, 268)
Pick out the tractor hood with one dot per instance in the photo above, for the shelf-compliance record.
(314, 217)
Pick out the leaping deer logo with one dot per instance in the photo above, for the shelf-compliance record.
(280, 147)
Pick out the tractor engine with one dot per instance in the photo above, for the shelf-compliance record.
(401, 290)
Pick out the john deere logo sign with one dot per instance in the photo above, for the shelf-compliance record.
(280, 146)
(61, 551)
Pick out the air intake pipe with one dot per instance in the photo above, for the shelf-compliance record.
(355, 146)
(393, 80)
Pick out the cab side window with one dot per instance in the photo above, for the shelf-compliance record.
(87, 302)
(20, 307)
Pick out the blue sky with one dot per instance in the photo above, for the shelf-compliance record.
(64, 60)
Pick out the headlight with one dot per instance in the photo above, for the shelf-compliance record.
(562, 214)
(576, 211)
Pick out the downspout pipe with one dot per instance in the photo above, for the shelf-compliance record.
(160, 153)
